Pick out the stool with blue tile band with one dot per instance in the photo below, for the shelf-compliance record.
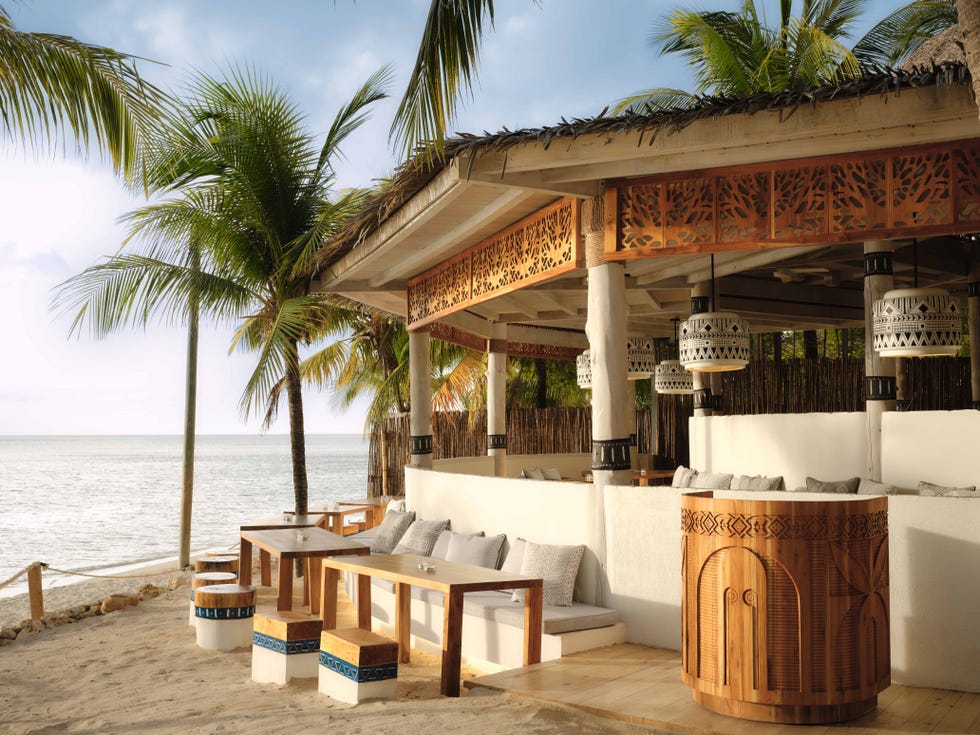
(285, 645)
(219, 563)
(356, 665)
(223, 616)
(206, 578)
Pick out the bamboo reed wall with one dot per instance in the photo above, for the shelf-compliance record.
(789, 386)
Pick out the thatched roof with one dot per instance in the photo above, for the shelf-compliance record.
(413, 175)
(944, 48)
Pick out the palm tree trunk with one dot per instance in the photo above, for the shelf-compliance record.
(541, 373)
(190, 420)
(297, 436)
(968, 13)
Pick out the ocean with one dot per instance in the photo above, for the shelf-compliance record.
(84, 503)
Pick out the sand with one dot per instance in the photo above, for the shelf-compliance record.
(139, 671)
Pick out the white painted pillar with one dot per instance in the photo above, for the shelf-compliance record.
(702, 381)
(973, 316)
(497, 399)
(879, 372)
(420, 395)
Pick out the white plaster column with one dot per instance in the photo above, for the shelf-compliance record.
(420, 393)
(879, 372)
(973, 316)
(702, 381)
(497, 399)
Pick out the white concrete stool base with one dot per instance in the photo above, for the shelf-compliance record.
(223, 616)
(356, 665)
(339, 687)
(224, 635)
(285, 645)
(271, 667)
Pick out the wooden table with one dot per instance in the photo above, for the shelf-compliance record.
(450, 578)
(379, 505)
(651, 477)
(333, 520)
(268, 522)
(284, 544)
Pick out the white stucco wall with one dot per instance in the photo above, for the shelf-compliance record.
(827, 446)
(570, 465)
(942, 447)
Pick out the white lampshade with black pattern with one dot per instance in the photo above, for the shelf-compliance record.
(641, 359)
(583, 371)
(714, 341)
(671, 378)
(917, 322)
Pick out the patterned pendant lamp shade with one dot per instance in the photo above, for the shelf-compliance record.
(917, 322)
(672, 379)
(714, 341)
(583, 371)
(640, 360)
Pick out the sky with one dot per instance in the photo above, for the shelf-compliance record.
(59, 211)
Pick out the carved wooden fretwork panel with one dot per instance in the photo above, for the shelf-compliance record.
(534, 249)
(548, 352)
(859, 195)
(743, 207)
(921, 191)
(907, 192)
(457, 336)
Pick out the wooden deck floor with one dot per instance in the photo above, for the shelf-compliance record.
(643, 685)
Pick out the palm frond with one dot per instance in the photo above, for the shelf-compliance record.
(901, 32)
(653, 100)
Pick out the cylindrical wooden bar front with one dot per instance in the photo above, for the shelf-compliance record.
(785, 606)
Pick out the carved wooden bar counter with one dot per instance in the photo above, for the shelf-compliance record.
(785, 606)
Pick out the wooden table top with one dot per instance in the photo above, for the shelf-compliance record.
(346, 510)
(654, 474)
(373, 502)
(283, 542)
(447, 574)
(266, 522)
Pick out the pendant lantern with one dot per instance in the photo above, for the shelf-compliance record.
(917, 322)
(714, 341)
(671, 378)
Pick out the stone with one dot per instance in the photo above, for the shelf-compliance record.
(90, 611)
(116, 602)
(56, 619)
(33, 628)
(148, 591)
(8, 634)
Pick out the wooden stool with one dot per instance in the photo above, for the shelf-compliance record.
(285, 645)
(357, 664)
(206, 578)
(225, 563)
(224, 615)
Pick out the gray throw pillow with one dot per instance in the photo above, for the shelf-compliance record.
(832, 486)
(391, 530)
(442, 543)
(477, 550)
(420, 538)
(870, 487)
(515, 557)
(711, 481)
(757, 482)
(683, 476)
(943, 491)
(557, 566)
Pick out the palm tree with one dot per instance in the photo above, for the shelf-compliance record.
(448, 54)
(737, 54)
(53, 87)
(968, 12)
(901, 32)
(256, 193)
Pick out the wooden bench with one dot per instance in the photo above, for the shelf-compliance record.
(224, 615)
(285, 645)
(203, 579)
(223, 563)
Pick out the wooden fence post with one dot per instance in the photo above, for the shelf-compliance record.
(34, 590)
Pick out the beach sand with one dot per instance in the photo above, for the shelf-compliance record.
(139, 671)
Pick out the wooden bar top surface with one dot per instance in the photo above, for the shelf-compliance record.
(283, 542)
(382, 500)
(447, 575)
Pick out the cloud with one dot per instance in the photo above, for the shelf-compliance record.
(47, 262)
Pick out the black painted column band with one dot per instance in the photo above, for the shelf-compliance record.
(702, 398)
(611, 454)
(880, 388)
(420, 444)
(699, 304)
(878, 264)
(496, 441)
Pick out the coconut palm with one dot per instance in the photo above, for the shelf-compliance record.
(448, 54)
(55, 88)
(255, 191)
(902, 31)
(735, 54)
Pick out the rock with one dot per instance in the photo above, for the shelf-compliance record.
(115, 602)
(77, 611)
(90, 611)
(33, 628)
(7, 634)
(56, 619)
(148, 591)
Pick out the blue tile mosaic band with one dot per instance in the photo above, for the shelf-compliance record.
(359, 674)
(303, 645)
(224, 613)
